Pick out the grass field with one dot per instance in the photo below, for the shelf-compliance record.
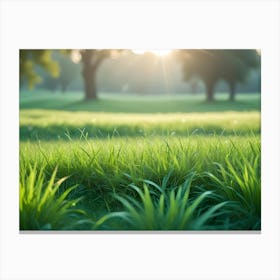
(139, 163)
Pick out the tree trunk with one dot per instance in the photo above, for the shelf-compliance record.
(89, 75)
(231, 91)
(91, 60)
(210, 92)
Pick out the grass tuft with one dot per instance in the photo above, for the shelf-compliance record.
(161, 209)
(41, 207)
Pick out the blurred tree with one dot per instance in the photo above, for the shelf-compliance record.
(28, 59)
(91, 59)
(236, 65)
(201, 63)
(69, 71)
(211, 65)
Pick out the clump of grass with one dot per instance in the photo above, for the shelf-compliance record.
(163, 209)
(101, 164)
(239, 180)
(42, 207)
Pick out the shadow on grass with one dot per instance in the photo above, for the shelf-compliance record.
(59, 132)
(144, 106)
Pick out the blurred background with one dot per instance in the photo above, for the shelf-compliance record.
(89, 73)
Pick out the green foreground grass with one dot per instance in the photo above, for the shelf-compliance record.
(144, 171)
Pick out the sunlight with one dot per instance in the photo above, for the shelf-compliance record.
(75, 56)
(156, 52)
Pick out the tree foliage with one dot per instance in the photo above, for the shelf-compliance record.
(28, 59)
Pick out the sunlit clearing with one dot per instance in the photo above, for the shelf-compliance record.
(156, 52)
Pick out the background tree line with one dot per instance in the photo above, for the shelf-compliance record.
(183, 71)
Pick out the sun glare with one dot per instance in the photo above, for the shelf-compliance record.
(156, 52)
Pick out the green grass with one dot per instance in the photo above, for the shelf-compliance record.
(41, 205)
(166, 210)
(56, 125)
(131, 103)
(181, 170)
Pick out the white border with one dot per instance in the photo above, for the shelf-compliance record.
(155, 24)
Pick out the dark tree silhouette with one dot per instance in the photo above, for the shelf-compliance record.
(236, 65)
(212, 65)
(200, 63)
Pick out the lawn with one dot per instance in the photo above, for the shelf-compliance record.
(139, 163)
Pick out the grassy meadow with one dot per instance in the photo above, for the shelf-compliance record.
(139, 163)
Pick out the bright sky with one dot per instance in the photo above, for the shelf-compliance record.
(156, 52)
